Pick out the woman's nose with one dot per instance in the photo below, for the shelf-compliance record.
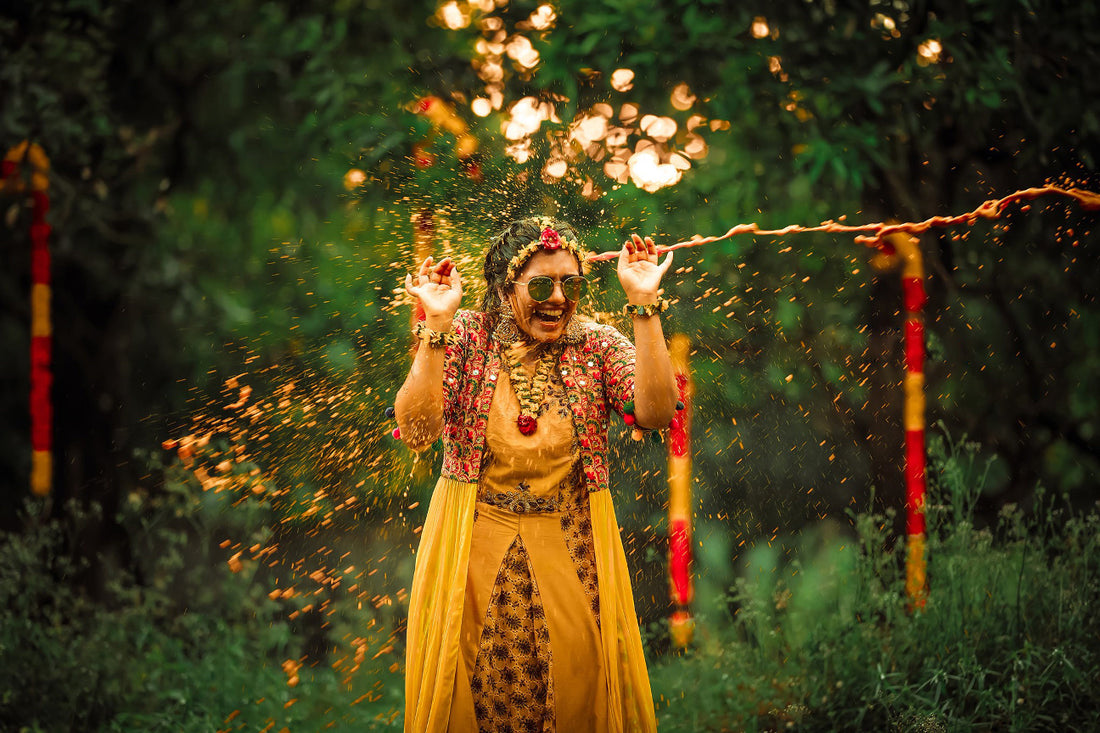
(558, 294)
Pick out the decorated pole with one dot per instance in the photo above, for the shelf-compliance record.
(902, 248)
(915, 298)
(41, 377)
(681, 590)
(443, 118)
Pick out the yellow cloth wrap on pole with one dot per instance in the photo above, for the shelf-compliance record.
(679, 488)
(913, 414)
(915, 578)
(40, 310)
(41, 472)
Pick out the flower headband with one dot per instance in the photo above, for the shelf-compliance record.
(550, 240)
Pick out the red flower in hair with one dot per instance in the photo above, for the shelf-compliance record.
(526, 424)
(550, 239)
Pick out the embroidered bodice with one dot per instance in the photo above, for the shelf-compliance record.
(597, 375)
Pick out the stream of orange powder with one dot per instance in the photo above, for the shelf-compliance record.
(873, 234)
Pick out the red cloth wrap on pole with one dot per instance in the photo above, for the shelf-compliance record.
(41, 381)
(679, 563)
(40, 265)
(914, 346)
(41, 206)
(913, 294)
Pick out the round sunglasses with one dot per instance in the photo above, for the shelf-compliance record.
(541, 287)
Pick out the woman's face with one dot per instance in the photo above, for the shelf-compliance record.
(544, 321)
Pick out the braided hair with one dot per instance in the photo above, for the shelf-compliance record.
(506, 245)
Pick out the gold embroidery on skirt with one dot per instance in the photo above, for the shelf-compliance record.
(576, 529)
(511, 682)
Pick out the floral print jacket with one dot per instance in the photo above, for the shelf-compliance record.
(597, 372)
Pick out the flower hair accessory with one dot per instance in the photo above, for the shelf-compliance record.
(551, 240)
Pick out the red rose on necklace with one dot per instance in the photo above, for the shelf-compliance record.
(526, 424)
(550, 239)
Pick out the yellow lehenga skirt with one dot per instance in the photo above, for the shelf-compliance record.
(503, 630)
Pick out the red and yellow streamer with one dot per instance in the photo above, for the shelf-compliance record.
(12, 181)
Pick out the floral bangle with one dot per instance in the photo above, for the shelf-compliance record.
(433, 339)
(649, 309)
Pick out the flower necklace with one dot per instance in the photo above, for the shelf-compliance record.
(530, 392)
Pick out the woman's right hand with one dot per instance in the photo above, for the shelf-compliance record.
(438, 287)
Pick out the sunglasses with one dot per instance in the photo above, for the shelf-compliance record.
(541, 287)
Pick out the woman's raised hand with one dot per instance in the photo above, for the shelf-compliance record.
(640, 270)
(438, 287)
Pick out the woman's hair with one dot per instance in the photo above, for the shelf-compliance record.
(506, 245)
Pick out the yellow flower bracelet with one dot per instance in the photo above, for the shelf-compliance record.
(649, 309)
(434, 339)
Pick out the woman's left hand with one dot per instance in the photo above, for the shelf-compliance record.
(640, 270)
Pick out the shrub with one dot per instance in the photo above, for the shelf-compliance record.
(192, 647)
(1008, 639)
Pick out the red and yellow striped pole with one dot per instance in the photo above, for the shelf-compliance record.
(41, 377)
(906, 248)
(915, 298)
(442, 117)
(681, 590)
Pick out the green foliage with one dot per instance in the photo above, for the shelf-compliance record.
(203, 208)
(184, 644)
(867, 111)
(201, 232)
(828, 641)
(197, 155)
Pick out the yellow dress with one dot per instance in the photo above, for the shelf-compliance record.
(521, 615)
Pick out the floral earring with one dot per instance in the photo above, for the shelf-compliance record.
(574, 332)
(506, 331)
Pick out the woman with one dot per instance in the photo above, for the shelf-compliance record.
(521, 616)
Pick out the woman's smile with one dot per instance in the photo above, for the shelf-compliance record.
(544, 320)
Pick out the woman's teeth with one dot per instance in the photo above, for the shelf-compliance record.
(549, 315)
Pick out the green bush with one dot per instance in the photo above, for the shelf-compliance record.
(1007, 641)
(192, 647)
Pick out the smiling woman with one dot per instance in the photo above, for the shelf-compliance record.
(539, 300)
(521, 615)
